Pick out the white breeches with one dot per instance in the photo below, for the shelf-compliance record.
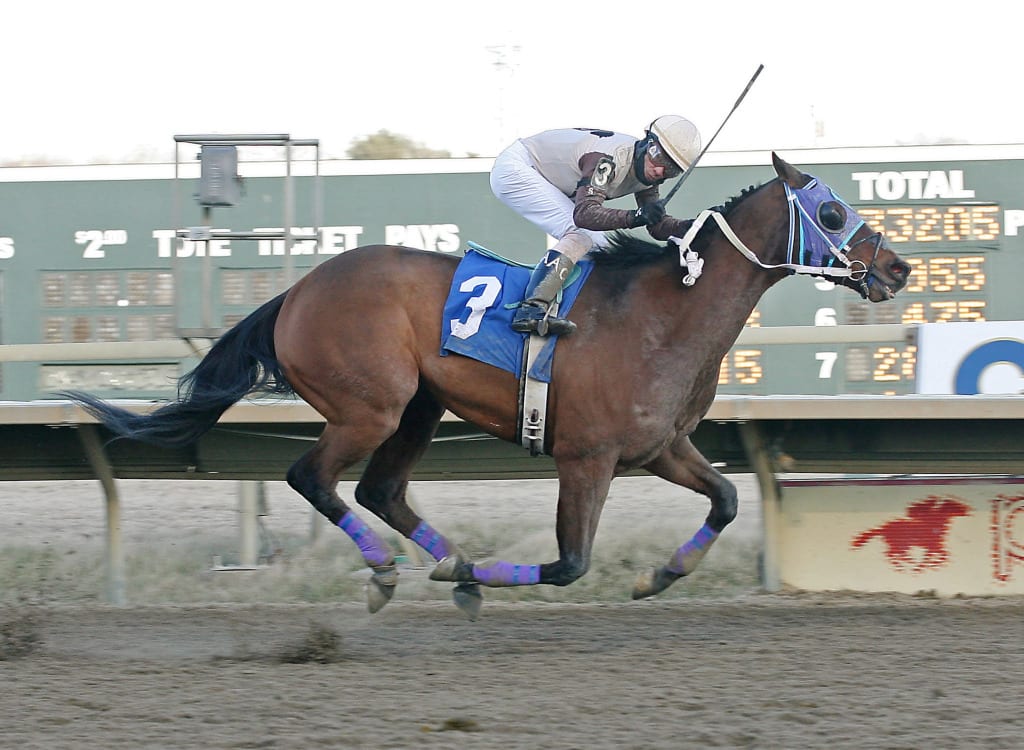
(518, 185)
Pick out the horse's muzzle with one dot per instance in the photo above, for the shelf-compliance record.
(881, 286)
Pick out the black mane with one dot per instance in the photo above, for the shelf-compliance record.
(627, 250)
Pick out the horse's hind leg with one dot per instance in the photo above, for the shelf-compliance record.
(681, 463)
(383, 485)
(315, 476)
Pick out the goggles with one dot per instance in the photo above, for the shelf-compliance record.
(659, 158)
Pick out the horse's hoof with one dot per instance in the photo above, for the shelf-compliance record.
(454, 569)
(653, 581)
(468, 598)
(381, 587)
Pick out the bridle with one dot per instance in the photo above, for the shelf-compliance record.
(814, 245)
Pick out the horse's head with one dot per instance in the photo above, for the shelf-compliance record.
(826, 233)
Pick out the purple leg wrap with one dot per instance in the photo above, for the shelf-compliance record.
(431, 540)
(374, 550)
(503, 573)
(694, 548)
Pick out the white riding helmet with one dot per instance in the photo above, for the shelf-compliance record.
(678, 138)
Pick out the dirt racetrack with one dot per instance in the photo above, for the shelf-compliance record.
(263, 659)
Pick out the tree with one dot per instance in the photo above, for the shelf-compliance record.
(387, 145)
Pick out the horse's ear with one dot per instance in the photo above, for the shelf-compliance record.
(787, 172)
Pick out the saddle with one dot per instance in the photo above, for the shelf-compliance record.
(485, 292)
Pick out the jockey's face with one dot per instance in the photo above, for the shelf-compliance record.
(657, 166)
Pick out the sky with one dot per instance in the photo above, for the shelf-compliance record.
(110, 81)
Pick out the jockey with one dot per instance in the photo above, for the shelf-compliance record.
(560, 179)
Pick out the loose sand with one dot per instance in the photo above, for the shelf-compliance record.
(286, 656)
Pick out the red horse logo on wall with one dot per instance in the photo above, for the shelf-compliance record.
(917, 541)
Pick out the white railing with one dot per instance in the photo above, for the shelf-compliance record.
(183, 348)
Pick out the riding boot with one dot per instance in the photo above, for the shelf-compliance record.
(541, 290)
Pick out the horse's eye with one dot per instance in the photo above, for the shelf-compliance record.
(831, 216)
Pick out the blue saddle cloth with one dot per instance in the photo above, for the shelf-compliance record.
(485, 292)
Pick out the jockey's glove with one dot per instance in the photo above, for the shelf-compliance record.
(648, 214)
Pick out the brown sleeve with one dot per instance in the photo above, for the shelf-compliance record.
(670, 226)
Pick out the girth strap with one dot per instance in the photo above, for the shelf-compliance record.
(533, 396)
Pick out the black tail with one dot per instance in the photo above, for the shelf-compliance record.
(243, 360)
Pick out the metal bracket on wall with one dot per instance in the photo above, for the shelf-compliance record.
(205, 232)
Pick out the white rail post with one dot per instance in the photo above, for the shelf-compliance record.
(249, 501)
(771, 500)
(115, 587)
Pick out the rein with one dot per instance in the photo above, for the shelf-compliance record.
(812, 240)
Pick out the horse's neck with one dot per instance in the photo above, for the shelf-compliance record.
(716, 307)
(736, 282)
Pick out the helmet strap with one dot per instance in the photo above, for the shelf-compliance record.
(639, 152)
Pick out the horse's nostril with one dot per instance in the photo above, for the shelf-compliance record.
(900, 270)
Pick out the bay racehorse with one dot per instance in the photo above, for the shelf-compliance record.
(358, 339)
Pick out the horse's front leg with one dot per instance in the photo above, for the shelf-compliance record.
(582, 489)
(681, 463)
